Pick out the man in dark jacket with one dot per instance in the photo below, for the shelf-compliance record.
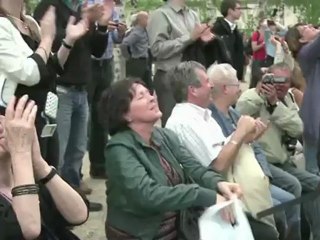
(226, 28)
(72, 116)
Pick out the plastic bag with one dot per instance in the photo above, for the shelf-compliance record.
(213, 227)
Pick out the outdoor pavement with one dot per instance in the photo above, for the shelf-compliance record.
(93, 229)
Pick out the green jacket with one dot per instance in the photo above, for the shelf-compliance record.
(284, 119)
(138, 194)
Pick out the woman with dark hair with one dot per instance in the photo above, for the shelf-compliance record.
(150, 191)
(28, 67)
(304, 42)
(35, 203)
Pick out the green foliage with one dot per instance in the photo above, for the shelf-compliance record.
(31, 5)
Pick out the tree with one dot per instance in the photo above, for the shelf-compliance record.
(31, 5)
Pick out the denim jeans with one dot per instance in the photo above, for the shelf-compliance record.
(309, 183)
(289, 220)
(72, 120)
(310, 153)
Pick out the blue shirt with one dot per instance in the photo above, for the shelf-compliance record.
(113, 37)
(229, 125)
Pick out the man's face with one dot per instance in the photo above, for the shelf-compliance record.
(202, 93)
(236, 12)
(282, 88)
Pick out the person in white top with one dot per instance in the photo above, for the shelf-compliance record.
(192, 122)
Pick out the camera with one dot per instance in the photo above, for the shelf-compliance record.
(269, 78)
(290, 143)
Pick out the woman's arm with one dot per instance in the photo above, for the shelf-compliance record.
(19, 123)
(68, 202)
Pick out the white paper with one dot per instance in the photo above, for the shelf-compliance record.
(213, 227)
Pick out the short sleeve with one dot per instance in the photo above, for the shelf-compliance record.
(9, 225)
(255, 37)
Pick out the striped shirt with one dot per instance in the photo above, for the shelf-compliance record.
(198, 131)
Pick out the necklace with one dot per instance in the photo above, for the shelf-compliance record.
(25, 26)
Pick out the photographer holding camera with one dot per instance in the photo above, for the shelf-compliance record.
(272, 101)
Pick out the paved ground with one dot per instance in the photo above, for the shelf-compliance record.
(93, 229)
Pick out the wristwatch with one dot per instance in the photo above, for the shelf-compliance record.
(272, 107)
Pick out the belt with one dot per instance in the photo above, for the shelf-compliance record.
(73, 87)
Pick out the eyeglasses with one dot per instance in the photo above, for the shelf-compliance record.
(233, 84)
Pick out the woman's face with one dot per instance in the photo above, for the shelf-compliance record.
(143, 107)
(3, 142)
(308, 33)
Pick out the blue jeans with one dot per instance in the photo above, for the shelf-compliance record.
(290, 219)
(308, 183)
(72, 120)
(310, 153)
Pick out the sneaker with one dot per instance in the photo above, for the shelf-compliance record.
(95, 207)
(84, 188)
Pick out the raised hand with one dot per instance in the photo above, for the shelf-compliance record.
(48, 25)
(76, 31)
(19, 125)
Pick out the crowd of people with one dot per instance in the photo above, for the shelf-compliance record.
(216, 143)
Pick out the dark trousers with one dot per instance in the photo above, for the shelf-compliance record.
(140, 68)
(262, 231)
(102, 77)
(164, 93)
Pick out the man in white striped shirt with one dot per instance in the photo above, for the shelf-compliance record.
(191, 120)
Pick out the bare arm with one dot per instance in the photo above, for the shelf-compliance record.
(68, 202)
(228, 153)
(26, 207)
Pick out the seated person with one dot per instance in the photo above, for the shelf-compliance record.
(26, 179)
(273, 102)
(203, 137)
(150, 194)
(225, 94)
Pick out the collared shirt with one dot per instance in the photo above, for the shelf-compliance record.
(169, 30)
(231, 24)
(138, 43)
(198, 131)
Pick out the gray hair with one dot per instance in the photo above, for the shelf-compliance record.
(183, 76)
(281, 65)
(220, 74)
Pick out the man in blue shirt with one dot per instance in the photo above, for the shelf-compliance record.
(102, 77)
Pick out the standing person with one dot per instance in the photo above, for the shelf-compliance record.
(226, 28)
(102, 77)
(171, 29)
(135, 47)
(304, 44)
(73, 110)
(28, 67)
(259, 55)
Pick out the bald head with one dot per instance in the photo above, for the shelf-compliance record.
(142, 18)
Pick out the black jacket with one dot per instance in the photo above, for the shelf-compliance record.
(207, 53)
(77, 69)
(234, 43)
